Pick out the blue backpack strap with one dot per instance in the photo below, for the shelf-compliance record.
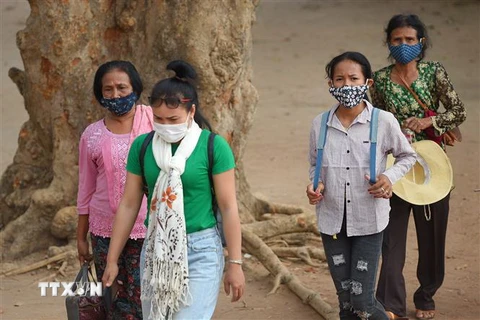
(320, 145)
(373, 144)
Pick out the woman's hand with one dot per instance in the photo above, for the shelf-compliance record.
(314, 197)
(110, 273)
(382, 188)
(234, 281)
(83, 251)
(417, 124)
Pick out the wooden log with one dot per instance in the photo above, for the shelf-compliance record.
(40, 264)
(63, 267)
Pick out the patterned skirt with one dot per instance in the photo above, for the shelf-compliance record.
(127, 304)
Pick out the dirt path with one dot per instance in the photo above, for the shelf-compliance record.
(292, 43)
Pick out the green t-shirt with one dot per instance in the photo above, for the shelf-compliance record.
(197, 196)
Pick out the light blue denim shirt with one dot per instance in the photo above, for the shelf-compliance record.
(346, 161)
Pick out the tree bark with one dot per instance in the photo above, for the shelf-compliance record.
(63, 44)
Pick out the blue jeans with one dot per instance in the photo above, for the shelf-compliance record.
(205, 270)
(353, 264)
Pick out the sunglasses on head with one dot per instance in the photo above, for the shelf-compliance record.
(170, 102)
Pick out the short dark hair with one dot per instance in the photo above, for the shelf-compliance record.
(125, 66)
(181, 85)
(412, 21)
(353, 56)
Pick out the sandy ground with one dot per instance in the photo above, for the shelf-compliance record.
(293, 41)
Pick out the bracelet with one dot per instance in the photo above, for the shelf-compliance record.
(240, 262)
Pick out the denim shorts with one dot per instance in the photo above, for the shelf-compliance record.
(205, 270)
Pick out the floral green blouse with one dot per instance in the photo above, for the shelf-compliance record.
(432, 87)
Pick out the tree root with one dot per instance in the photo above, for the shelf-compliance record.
(263, 207)
(305, 222)
(267, 257)
(304, 253)
(294, 239)
(277, 242)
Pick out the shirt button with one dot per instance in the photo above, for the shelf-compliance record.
(348, 183)
(348, 201)
(348, 168)
(348, 151)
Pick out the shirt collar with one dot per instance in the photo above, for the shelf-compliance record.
(363, 117)
(366, 114)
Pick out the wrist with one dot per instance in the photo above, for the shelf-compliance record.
(234, 266)
(430, 121)
(237, 262)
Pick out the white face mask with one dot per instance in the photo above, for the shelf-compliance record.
(171, 133)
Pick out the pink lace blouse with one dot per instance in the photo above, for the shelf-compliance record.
(102, 173)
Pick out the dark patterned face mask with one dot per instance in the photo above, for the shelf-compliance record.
(405, 53)
(349, 96)
(120, 106)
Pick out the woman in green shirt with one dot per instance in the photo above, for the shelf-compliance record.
(182, 257)
(406, 37)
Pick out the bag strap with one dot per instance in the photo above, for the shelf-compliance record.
(414, 94)
(322, 136)
(82, 276)
(373, 146)
(143, 150)
(211, 137)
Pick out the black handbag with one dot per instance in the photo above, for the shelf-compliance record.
(82, 306)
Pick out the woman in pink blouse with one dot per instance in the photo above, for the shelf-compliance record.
(103, 154)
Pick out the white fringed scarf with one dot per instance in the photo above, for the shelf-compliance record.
(165, 280)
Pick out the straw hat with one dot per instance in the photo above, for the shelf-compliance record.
(431, 177)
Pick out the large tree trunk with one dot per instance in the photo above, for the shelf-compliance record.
(62, 46)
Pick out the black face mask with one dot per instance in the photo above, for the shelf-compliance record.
(120, 106)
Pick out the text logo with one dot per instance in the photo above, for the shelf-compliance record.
(70, 289)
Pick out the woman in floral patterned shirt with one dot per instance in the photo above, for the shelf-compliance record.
(406, 37)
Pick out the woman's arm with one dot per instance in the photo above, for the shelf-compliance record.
(224, 184)
(455, 112)
(399, 147)
(314, 196)
(377, 97)
(82, 243)
(87, 180)
(124, 221)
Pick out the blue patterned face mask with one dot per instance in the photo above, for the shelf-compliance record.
(405, 53)
(120, 106)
